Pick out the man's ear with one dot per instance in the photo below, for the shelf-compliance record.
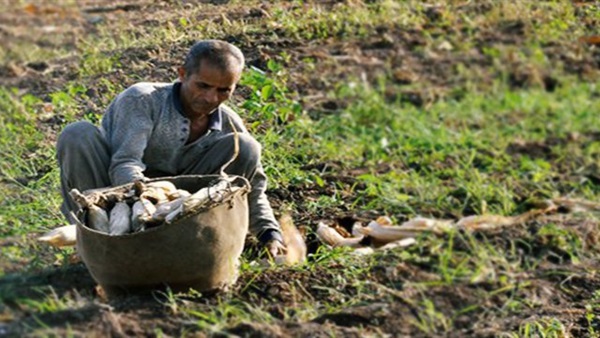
(181, 72)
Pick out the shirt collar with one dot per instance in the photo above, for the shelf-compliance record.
(215, 121)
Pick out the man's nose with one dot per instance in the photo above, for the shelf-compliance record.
(211, 96)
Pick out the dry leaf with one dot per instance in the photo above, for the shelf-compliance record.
(590, 40)
(31, 9)
(341, 230)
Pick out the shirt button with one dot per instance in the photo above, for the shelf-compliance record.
(184, 130)
(182, 140)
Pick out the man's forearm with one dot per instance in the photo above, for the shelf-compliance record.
(262, 221)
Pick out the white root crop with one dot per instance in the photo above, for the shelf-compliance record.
(145, 205)
(120, 219)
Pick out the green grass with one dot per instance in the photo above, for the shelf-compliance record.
(452, 148)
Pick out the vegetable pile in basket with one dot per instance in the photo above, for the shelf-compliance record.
(147, 205)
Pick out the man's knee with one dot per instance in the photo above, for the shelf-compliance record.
(77, 138)
(77, 135)
(75, 132)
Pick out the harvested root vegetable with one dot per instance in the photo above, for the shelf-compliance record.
(384, 220)
(141, 210)
(294, 243)
(351, 242)
(164, 209)
(422, 224)
(166, 186)
(363, 251)
(120, 219)
(154, 195)
(328, 235)
(485, 222)
(490, 222)
(174, 214)
(403, 243)
(156, 192)
(575, 205)
(367, 250)
(202, 197)
(356, 229)
(60, 237)
(104, 200)
(179, 193)
(385, 233)
(97, 217)
(382, 234)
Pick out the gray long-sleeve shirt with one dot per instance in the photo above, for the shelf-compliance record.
(146, 131)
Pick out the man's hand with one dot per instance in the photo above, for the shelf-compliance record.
(275, 248)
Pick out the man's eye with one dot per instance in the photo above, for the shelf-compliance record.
(203, 85)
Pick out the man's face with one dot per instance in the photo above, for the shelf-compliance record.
(204, 90)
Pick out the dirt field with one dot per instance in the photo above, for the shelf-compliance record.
(543, 282)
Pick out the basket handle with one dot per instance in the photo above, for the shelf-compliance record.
(236, 148)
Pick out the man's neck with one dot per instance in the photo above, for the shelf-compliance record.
(194, 116)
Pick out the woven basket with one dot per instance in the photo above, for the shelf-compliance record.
(199, 251)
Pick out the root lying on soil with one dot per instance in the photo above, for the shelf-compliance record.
(382, 234)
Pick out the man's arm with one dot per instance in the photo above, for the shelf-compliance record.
(129, 126)
(262, 220)
(263, 224)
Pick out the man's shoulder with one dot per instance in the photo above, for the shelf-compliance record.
(228, 112)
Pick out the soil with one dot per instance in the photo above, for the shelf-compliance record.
(560, 287)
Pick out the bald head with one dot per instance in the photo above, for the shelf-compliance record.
(216, 53)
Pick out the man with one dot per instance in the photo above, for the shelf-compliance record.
(169, 129)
